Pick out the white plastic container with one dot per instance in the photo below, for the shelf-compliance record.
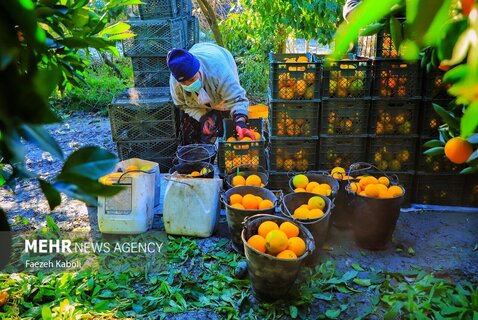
(131, 211)
(191, 206)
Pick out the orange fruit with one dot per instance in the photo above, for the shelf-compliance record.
(315, 214)
(355, 187)
(311, 185)
(362, 193)
(131, 168)
(337, 169)
(235, 198)
(381, 187)
(276, 241)
(395, 191)
(316, 203)
(372, 190)
(231, 139)
(259, 200)
(338, 175)
(385, 194)
(322, 191)
(367, 180)
(238, 206)
(290, 229)
(266, 227)
(257, 135)
(249, 201)
(265, 204)
(301, 212)
(296, 245)
(299, 190)
(258, 243)
(238, 181)
(253, 180)
(195, 174)
(300, 181)
(458, 150)
(287, 254)
(384, 181)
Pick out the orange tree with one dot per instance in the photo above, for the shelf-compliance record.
(444, 35)
(44, 48)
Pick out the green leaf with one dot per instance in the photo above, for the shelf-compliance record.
(469, 170)
(46, 80)
(90, 162)
(293, 311)
(51, 194)
(332, 314)
(393, 311)
(372, 29)
(52, 226)
(46, 313)
(362, 282)
(461, 48)
(473, 139)
(433, 143)
(410, 251)
(435, 151)
(396, 31)
(116, 28)
(469, 121)
(435, 29)
(456, 74)
(38, 135)
(357, 267)
(473, 156)
(448, 117)
(323, 296)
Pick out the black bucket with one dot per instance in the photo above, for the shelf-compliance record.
(192, 153)
(187, 168)
(317, 227)
(342, 217)
(247, 170)
(320, 178)
(272, 277)
(236, 216)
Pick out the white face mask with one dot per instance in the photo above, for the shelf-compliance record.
(193, 87)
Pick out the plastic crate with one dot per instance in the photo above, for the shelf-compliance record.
(193, 31)
(341, 151)
(185, 7)
(234, 153)
(156, 9)
(470, 197)
(293, 154)
(161, 151)
(396, 79)
(279, 181)
(293, 118)
(379, 45)
(347, 79)
(150, 71)
(394, 117)
(344, 116)
(440, 189)
(155, 37)
(291, 80)
(393, 153)
(434, 88)
(435, 164)
(142, 114)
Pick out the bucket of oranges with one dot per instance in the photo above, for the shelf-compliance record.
(312, 211)
(248, 175)
(376, 202)
(341, 216)
(275, 249)
(198, 152)
(242, 202)
(194, 170)
(314, 182)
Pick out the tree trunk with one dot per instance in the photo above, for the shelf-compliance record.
(211, 18)
(307, 46)
(111, 64)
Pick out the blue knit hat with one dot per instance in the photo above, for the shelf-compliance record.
(183, 65)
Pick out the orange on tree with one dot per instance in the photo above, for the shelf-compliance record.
(265, 204)
(253, 180)
(276, 241)
(238, 181)
(257, 242)
(249, 201)
(300, 181)
(235, 198)
(458, 150)
(287, 254)
(266, 227)
(290, 229)
(297, 245)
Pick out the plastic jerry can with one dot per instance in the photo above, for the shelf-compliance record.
(130, 211)
(191, 206)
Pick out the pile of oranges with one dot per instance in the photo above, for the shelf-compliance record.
(313, 209)
(369, 186)
(249, 202)
(339, 173)
(301, 183)
(280, 241)
(252, 180)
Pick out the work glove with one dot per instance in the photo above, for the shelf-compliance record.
(208, 124)
(243, 131)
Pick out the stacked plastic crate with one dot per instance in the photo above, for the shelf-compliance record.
(143, 119)
(395, 109)
(438, 179)
(345, 113)
(294, 103)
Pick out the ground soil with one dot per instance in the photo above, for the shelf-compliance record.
(440, 241)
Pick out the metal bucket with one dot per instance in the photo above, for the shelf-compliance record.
(247, 170)
(272, 277)
(236, 216)
(317, 227)
(320, 177)
(342, 217)
(192, 153)
(187, 168)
